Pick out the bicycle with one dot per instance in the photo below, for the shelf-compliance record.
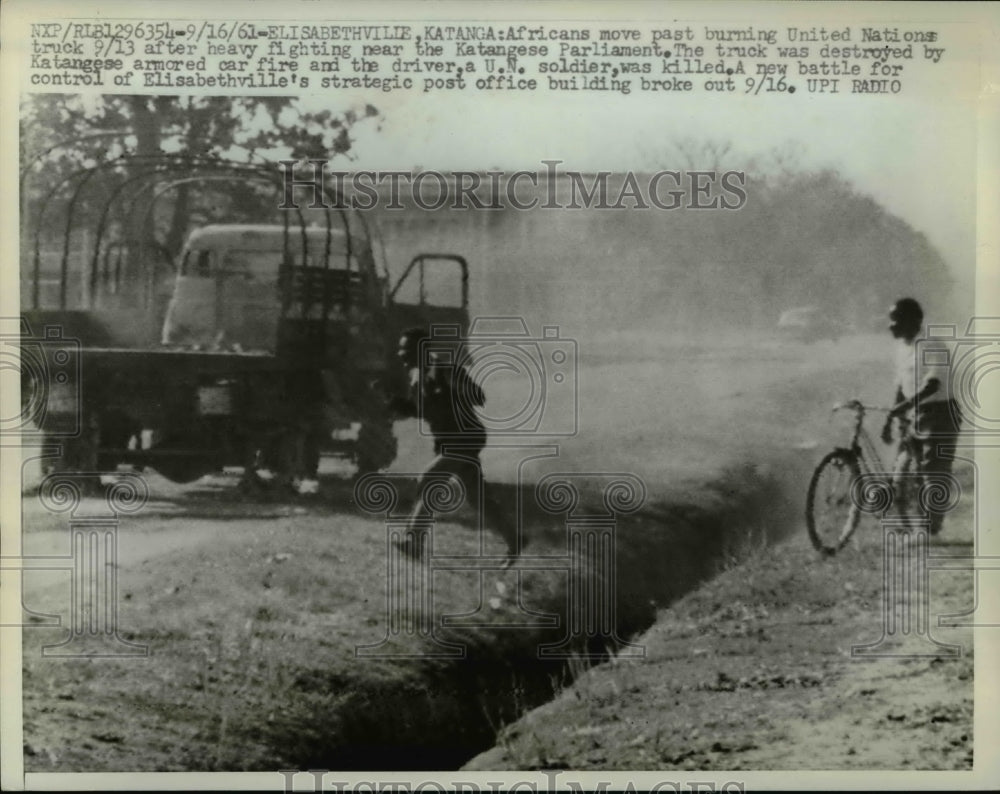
(832, 515)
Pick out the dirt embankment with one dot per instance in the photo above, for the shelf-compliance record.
(754, 671)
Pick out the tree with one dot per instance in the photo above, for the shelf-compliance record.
(62, 134)
(806, 236)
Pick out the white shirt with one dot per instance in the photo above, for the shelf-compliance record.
(919, 361)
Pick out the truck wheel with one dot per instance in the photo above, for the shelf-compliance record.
(290, 455)
(116, 428)
(183, 470)
(376, 446)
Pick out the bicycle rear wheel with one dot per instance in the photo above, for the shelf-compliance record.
(831, 515)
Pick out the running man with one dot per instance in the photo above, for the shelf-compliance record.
(446, 397)
(927, 392)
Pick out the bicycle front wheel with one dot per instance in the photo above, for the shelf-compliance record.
(831, 515)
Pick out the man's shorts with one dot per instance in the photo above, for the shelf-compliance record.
(939, 420)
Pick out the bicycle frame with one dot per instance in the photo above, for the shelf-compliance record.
(862, 458)
(863, 446)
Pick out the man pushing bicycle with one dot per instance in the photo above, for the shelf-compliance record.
(925, 388)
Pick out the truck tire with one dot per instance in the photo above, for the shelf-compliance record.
(376, 446)
(181, 468)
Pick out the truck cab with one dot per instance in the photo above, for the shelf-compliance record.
(235, 283)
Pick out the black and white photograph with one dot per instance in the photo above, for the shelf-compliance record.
(491, 396)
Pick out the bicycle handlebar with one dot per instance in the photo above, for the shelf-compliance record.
(857, 405)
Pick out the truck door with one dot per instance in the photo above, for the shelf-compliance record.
(433, 290)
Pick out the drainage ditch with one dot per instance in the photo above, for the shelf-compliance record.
(438, 713)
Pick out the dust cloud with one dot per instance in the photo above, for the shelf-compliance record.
(681, 368)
